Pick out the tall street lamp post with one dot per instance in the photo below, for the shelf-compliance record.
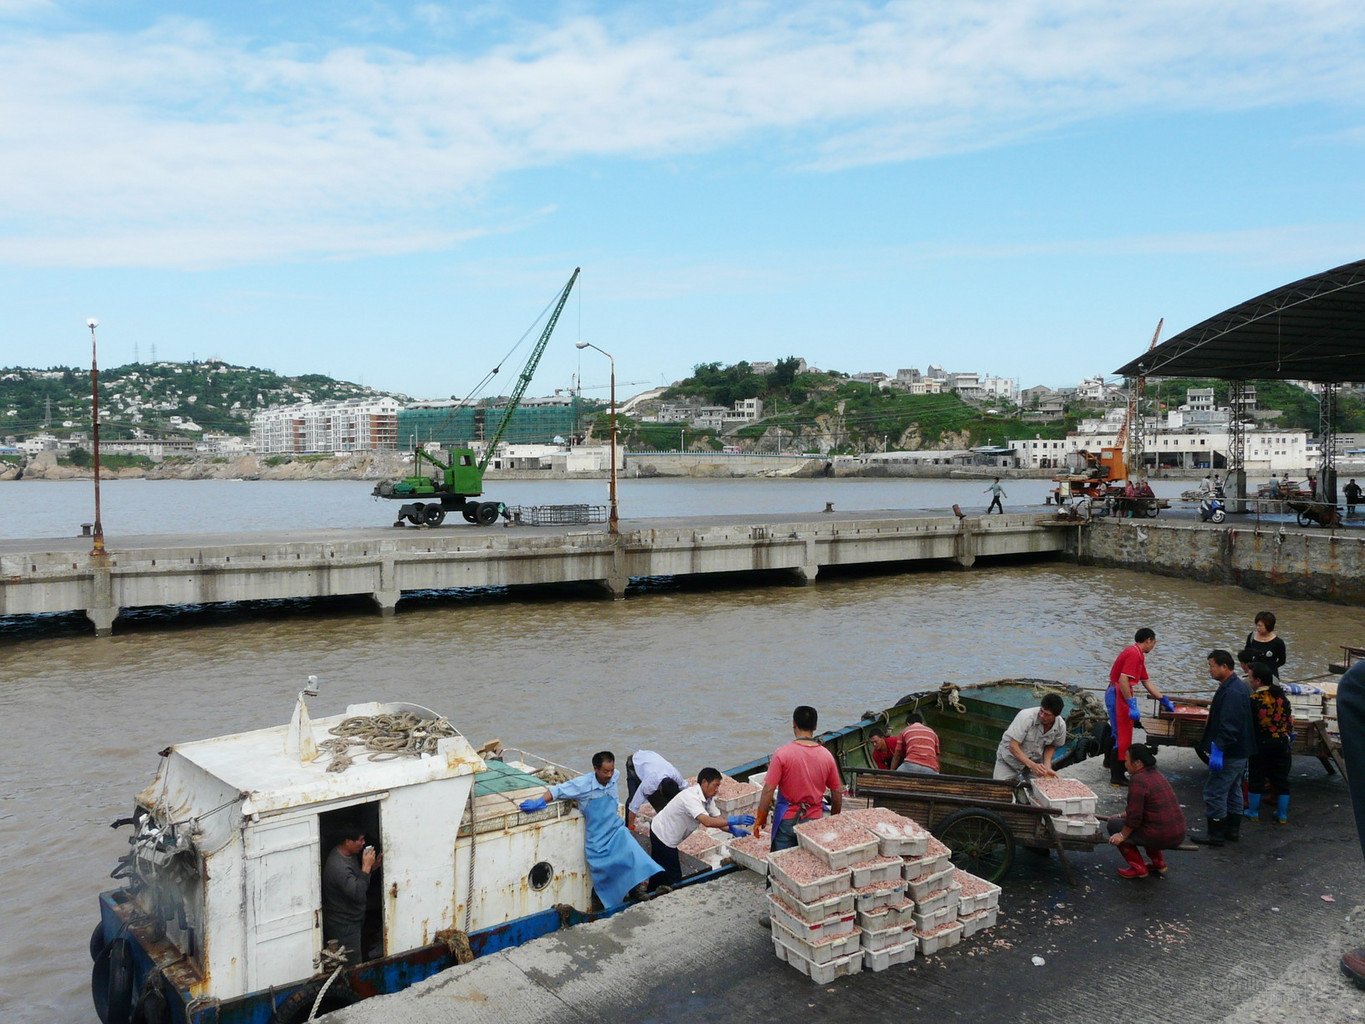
(98, 548)
(613, 519)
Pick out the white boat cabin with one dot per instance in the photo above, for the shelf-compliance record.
(237, 829)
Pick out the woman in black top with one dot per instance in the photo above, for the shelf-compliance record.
(1264, 644)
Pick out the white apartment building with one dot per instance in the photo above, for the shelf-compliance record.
(355, 425)
(1266, 451)
(1003, 388)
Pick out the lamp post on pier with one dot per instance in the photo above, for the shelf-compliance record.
(613, 519)
(98, 549)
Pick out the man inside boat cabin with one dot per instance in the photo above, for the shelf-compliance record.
(798, 776)
(1031, 740)
(345, 882)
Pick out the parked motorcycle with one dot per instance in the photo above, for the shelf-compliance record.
(1212, 509)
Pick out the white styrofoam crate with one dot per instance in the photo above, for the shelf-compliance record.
(945, 897)
(747, 860)
(927, 922)
(821, 974)
(928, 864)
(979, 921)
(836, 904)
(808, 892)
(811, 931)
(981, 901)
(922, 885)
(821, 951)
(881, 959)
(1072, 805)
(945, 939)
(1076, 825)
(746, 803)
(806, 838)
(883, 896)
(875, 870)
(884, 937)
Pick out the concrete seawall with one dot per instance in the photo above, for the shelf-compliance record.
(43, 576)
(1303, 562)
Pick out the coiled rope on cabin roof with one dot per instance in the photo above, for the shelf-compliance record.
(385, 737)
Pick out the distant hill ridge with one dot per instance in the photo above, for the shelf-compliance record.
(213, 394)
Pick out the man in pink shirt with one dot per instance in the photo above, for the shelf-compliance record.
(919, 748)
(798, 776)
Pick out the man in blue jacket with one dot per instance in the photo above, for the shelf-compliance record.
(1351, 710)
(1229, 740)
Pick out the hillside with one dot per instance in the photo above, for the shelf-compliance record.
(215, 395)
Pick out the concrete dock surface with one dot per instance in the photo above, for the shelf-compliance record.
(1248, 934)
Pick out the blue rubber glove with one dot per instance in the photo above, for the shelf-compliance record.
(1133, 713)
(739, 819)
(1215, 758)
(531, 806)
(1168, 705)
(735, 830)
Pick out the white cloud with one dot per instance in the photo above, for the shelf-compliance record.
(145, 148)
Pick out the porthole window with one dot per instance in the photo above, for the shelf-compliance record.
(542, 874)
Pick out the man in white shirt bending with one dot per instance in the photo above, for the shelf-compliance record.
(684, 814)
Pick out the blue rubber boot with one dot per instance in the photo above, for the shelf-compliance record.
(1254, 811)
(1282, 809)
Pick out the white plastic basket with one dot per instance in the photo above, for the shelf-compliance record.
(939, 898)
(875, 870)
(834, 905)
(883, 938)
(822, 952)
(883, 896)
(881, 959)
(986, 900)
(807, 892)
(808, 837)
(979, 921)
(921, 886)
(821, 974)
(810, 931)
(1071, 805)
(949, 937)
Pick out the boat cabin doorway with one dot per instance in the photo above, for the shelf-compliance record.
(333, 828)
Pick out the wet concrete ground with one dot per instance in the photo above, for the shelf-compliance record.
(1249, 934)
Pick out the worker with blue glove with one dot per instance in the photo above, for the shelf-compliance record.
(1229, 740)
(684, 814)
(1120, 701)
(615, 860)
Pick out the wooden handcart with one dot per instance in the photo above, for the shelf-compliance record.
(1320, 513)
(981, 821)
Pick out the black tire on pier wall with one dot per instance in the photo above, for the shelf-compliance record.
(295, 1009)
(111, 982)
(97, 942)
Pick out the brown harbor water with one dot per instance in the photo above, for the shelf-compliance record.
(706, 676)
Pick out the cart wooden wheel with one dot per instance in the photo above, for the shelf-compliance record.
(980, 841)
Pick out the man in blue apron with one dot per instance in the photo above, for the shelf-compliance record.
(616, 861)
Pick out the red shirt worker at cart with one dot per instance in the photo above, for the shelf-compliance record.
(1130, 667)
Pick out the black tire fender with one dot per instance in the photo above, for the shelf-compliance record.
(97, 942)
(295, 1008)
(111, 982)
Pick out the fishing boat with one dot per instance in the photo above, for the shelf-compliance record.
(217, 918)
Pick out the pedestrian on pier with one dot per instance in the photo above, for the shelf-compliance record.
(996, 492)
(1352, 493)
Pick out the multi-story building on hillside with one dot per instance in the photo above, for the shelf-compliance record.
(355, 425)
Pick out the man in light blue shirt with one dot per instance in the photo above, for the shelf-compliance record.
(615, 860)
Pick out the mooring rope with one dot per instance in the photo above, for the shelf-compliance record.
(385, 737)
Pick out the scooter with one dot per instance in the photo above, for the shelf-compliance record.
(1212, 510)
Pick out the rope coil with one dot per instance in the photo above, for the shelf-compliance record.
(385, 737)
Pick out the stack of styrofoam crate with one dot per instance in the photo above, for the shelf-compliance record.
(735, 797)
(750, 852)
(930, 884)
(1074, 799)
(813, 920)
(1308, 703)
(1329, 709)
(978, 903)
(885, 912)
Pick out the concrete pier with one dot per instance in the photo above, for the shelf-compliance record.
(39, 577)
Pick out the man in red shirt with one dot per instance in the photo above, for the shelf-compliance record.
(798, 776)
(885, 749)
(1130, 668)
(919, 748)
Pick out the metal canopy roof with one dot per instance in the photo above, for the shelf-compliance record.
(1313, 330)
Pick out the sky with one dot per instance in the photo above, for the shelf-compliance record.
(392, 193)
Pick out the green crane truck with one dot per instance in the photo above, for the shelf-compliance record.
(451, 485)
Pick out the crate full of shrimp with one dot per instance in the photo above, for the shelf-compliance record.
(838, 842)
(1069, 796)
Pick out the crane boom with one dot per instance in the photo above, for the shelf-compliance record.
(527, 372)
